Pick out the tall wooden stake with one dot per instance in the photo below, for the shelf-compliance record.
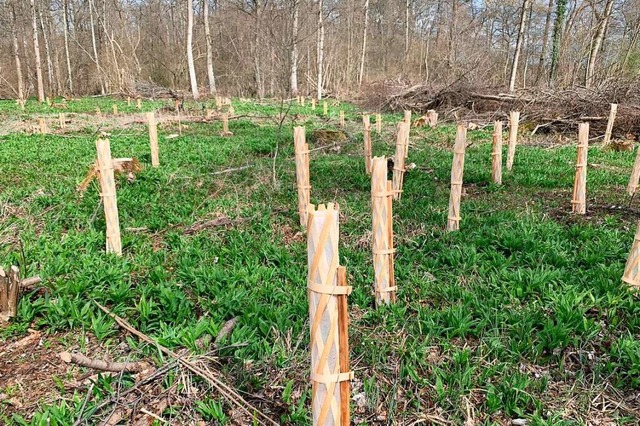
(302, 173)
(9, 293)
(378, 123)
(496, 154)
(313, 104)
(128, 101)
(407, 117)
(382, 242)
(324, 292)
(108, 193)
(325, 108)
(341, 118)
(631, 273)
(635, 175)
(367, 143)
(514, 119)
(612, 118)
(343, 323)
(398, 159)
(62, 120)
(432, 116)
(153, 139)
(225, 125)
(139, 103)
(457, 171)
(579, 201)
(42, 124)
(114, 107)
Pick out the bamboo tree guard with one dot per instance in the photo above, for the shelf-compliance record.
(341, 118)
(108, 194)
(325, 293)
(496, 154)
(514, 119)
(115, 109)
(313, 104)
(612, 118)
(153, 139)
(407, 117)
(382, 242)
(139, 103)
(432, 116)
(579, 202)
(225, 125)
(367, 143)
(208, 114)
(42, 124)
(457, 171)
(631, 273)
(325, 108)
(9, 292)
(635, 175)
(343, 324)
(398, 159)
(63, 120)
(302, 100)
(378, 123)
(302, 173)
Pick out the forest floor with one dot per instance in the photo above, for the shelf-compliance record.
(520, 315)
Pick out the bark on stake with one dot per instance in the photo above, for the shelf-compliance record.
(343, 323)
(635, 176)
(457, 171)
(63, 121)
(367, 143)
(108, 188)
(153, 139)
(514, 119)
(631, 273)
(612, 118)
(398, 159)
(323, 293)
(579, 201)
(382, 242)
(378, 123)
(341, 118)
(302, 173)
(496, 154)
(432, 115)
(9, 293)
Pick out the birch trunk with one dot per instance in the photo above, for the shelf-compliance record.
(16, 54)
(364, 41)
(95, 48)
(66, 46)
(50, 77)
(294, 50)
(320, 48)
(207, 34)
(516, 55)
(192, 68)
(36, 52)
(545, 42)
(597, 44)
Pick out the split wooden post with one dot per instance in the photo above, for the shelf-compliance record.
(42, 124)
(457, 172)
(398, 159)
(635, 175)
(341, 118)
(139, 103)
(432, 116)
(114, 107)
(496, 154)
(302, 173)
(378, 123)
(62, 120)
(407, 117)
(579, 202)
(153, 139)
(514, 119)
(324, 293)
(631, 273)
(108, 194)
(9, 292)
(612, 118)
(367, 143)
(225, 125)
(343, 324)
(325, 108)
(382, 223)
(313, 104)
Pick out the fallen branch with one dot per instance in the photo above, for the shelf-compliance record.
(99, 364)
(226, 329)
(233, 169)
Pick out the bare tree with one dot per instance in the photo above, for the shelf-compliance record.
(65, 30)
(293, 80)
(596, 44)
(207, 32)
(320, 52)
(96, 58)
(192, 68)
(16, 54)
(364, 41)
(516, 54)
(36, 52)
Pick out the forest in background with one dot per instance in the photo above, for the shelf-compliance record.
(318, 48)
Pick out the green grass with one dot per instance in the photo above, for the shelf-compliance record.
(515, 315)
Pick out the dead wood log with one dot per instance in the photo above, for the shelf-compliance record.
(99, 364)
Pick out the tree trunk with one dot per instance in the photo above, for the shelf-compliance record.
(50, 76)
(66, 46)
(406, 29)
(192, 68)
(545, 42)
(36, 51)
(16, 54)
(561, 10)
(294, 50)
(364, 41)
(597, 44)
(320, 52)
(95, 48)
(207, 34)
(516, 55)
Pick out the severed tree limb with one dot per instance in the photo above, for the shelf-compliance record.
(99, 364)
(226, 329)
(231, 395)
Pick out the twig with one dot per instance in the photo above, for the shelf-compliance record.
(99, 364)
(233, 169)
(84, 404)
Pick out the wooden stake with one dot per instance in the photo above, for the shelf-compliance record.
(635, 175)
(323, 294)
(98, 112)
(432, 115)
(325, 108)
(514, 118)
(382, 242)
(108, 193)
(153, 139)
(343, 324)
(225, 125)
(631, 273)
(407, 117)
(218, 103)
(128, 101)
(579, 202)
(496, 154)
(139, 103)
(302, 173)
(612, 118)
(398, 159)
(313, 104)
(63, 121)
(302, 100)
(208, 114)
(114, 107)
(341, 118)
(9, 293)
(367, 143)
(457, 171)
(378, 123)
(42, 124)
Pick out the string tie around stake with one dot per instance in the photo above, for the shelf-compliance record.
(454, 218)
(457, 182)
(334, 290)
(458, 152)
(580, 164)
(332, 378)
(102, 194)
(383, 251)
(387, 290)
(304, 186)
